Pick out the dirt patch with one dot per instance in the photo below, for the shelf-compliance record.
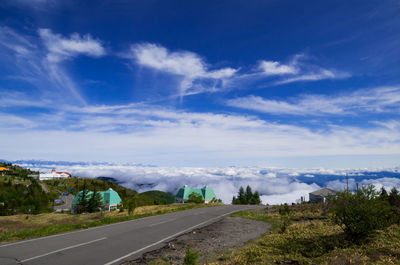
(212, 241)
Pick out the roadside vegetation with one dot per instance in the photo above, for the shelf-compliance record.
(355, 228)
(18, 227)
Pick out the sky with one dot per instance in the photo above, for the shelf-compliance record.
(201, 83)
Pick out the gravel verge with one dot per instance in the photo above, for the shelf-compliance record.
(211, 241)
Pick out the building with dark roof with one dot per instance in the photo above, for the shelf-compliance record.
(322, 195)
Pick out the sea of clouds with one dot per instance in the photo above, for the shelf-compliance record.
(275, 185)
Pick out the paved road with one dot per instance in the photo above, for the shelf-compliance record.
(67, 203)
(111, 244)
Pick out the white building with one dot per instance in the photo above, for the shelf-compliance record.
(54, 175)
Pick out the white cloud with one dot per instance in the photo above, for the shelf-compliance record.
(43, 67)
(387, 183)
(276, 185)
(321, 74)
(381, 99)
(60, 48)
(186, 64)
(298, 70)
(151, 134)
(276, 68)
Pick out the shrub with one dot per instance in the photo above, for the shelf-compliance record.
(284, 212)
(132, 205)
(195, 198)
(360, 213)
(190, 257)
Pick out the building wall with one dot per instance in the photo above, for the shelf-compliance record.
(316, 198)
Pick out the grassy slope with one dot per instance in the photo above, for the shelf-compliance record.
(313, 239)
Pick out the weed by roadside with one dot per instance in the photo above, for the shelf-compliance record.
(314, 240)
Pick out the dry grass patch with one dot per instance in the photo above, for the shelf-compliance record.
(316, 241)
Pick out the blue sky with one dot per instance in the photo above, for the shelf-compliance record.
(201, 83)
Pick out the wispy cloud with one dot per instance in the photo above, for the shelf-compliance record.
(188, 65)
(378, 100)
(153, 134)
(61, 48)
(42, 66)
(276, 68)
(298, 69)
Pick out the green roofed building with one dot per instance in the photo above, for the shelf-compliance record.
(206, 193)
(110, 199)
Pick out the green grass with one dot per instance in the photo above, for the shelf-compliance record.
(259, 215)
(314, 240)
(56, 229)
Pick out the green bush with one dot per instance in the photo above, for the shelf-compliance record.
(195, 198)
(190, 257)
(361, 212)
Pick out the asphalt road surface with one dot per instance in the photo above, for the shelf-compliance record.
(111, 244)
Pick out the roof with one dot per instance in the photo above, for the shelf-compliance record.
(325, 192)
(4, 169)
(63, 173)
(109, 196)
(54, 171)
(206, 193)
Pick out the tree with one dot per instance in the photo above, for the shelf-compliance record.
(384, 195)
(360, 213)
(256, 198)
(234, 200)
(241, 196)
(83, 199)
(249, 195)
(95, 201)
(394, 201)
(196, 198)
(132, 204)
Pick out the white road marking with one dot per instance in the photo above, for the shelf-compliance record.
(77, 231)
(169, 237)
(58, 250)
(163, 222)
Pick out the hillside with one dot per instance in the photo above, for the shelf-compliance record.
(74, 185)
(20, 193)
(159, 197)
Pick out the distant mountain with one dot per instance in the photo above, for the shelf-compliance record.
(109, 179)
(322, 179)
(50, 164)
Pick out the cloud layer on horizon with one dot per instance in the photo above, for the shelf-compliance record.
(276, 185)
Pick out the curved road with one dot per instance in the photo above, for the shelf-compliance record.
(111, 244)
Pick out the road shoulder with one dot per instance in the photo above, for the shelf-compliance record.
(212, 241)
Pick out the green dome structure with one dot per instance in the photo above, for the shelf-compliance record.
(110, 199)
(206, 193)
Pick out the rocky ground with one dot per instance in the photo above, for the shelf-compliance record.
(212, 241)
